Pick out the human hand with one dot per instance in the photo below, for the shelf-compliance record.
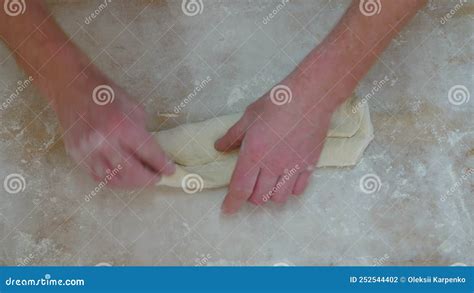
(104, 130)
(280, 144)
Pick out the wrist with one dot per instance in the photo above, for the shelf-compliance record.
(322, 86)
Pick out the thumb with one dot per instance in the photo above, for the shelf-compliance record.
(233, 137)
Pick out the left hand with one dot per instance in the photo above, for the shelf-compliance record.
(280, 144)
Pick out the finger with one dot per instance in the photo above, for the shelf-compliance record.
(283, 188)
(132, 174)
(148, 151)
(233, 137)
(265, 182)
(116, 161)
(95, 165)
(241, 185)
(138, 115)
(116, 157)
(301, 183)
(108, 168)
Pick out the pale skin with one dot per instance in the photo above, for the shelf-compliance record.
(272, 138)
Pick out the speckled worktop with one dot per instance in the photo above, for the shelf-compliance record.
(422, 212)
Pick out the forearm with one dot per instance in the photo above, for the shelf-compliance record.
(352, 47)
(44, 51)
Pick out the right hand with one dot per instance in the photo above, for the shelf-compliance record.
(102, 138)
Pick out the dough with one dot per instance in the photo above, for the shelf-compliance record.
(191, 146)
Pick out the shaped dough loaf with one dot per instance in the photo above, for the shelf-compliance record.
(191, 145)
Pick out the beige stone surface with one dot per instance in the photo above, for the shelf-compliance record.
(422, 213)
